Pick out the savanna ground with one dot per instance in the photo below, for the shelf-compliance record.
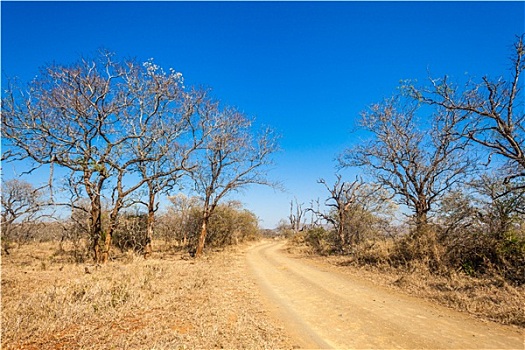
(171, 301)
(165, 302)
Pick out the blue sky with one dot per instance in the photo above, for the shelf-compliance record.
(305, 68)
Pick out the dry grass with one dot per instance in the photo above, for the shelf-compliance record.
(486, 298)
(489, 297)
(162, 303)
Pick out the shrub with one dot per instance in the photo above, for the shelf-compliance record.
(319, 239)
(230, 224)
(131, 233)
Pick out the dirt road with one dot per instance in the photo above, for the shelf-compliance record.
(323, 308)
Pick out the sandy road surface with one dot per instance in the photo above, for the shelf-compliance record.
(323, 308)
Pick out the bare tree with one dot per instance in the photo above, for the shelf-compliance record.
(89, 118)
(173, 146)
(316, 217)
(501, 208)
(231, 158)
(348, 202)
(164, 139)
(297, 219)
(21, 203)
(417, 164)
(486, 204)
(61, 119)
(492, 110)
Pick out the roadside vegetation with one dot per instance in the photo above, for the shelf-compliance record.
(452, 158)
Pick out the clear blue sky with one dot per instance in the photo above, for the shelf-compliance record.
(305, 68)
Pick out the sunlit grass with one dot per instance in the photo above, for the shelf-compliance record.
(161, 303)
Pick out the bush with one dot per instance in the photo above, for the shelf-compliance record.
(230, 224)
(422, 249)
(131, 233)
(481, 253)
(319, 239)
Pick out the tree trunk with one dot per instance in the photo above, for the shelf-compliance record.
(202, 237)
(421, 223)
(150, 221)
(342, 240)
(107, 245)
(184, 238)
(341, 229)
(149, 232)
(113, 222)
(95, 229)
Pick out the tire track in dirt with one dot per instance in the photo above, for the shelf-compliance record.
(323, 308)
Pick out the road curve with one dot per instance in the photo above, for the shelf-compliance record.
(323, 308)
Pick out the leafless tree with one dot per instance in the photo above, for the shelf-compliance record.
(59, 119)
(90, 118)
(492, 109)
(316, 217)
(231, 158)
(165, 137)
(417, 164)
(297, 218)
(164, 173)
(500, 208)
(347, 202)
(21, 203)
(457, 212)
